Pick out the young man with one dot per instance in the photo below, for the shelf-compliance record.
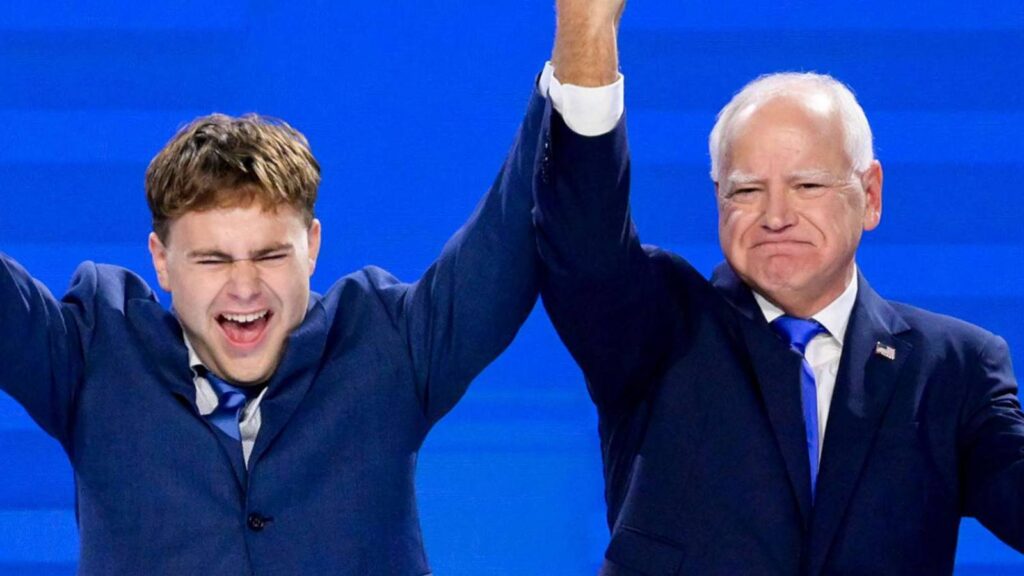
(781, 418)
(257, 428)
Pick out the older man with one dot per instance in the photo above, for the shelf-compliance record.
(781, 418)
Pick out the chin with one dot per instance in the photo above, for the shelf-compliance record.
(786, 273)
(246, 372)
(775, 287)
(246, 378)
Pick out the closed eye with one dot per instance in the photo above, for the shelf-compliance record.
(743, 192)
(812, 189)
(271, 257)
(211, 261)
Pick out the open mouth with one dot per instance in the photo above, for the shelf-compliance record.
(244, 329)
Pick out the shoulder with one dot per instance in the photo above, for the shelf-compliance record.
(107, 286)
(370, 290)
(677, 272)
(670, 263)
(940, 326)
(948, 336)
(367, 281)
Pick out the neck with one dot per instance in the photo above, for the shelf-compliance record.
(801, 304)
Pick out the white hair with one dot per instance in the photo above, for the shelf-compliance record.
(819, 92)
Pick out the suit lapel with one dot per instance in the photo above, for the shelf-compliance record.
(873, 355)
(160, 334)
(233, 452)
(291, 381)
(778, 375)
(777, 370)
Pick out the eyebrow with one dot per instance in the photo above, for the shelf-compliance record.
(813, 175)
(219, 255)
(280, 247)
(737, 178)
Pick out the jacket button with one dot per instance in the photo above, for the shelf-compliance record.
(256, 522)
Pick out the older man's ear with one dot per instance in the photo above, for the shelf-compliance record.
(872, 183)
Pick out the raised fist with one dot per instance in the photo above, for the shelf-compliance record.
(586, 51)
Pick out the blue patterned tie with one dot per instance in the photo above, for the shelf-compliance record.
(230, 401)
(798, 332)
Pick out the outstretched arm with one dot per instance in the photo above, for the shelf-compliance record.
(599, 286)
(992, 446)
(40, 356)
(471, 302)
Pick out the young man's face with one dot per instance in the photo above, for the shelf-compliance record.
(239, 282)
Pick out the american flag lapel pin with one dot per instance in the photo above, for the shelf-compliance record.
(885, 351)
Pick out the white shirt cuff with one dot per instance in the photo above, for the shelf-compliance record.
(587, 111)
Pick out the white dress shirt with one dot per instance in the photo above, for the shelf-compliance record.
(587, 111)
(206, 402)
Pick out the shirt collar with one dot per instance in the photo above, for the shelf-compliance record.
(833, 317)
(193, 359)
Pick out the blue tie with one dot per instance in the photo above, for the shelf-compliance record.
(230, 401)
(798, 332)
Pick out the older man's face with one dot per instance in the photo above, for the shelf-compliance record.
(791, 209)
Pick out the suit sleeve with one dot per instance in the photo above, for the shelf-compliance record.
(41, 360)
(600, 288)
(470, 303)
(992, 444)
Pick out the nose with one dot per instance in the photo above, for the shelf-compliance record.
(244, 281)
(779, 212)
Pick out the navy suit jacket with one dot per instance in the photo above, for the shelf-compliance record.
(699, 406)
(330, 485)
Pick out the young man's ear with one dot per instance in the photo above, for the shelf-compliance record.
(159, 254)
(313, 237)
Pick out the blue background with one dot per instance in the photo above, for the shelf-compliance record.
(410, 107)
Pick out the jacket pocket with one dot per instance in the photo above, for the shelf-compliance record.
(645, 553)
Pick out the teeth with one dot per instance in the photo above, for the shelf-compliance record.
(244, 318)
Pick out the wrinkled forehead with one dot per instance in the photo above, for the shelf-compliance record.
(814, 118)
(801, 136)
(804, 106)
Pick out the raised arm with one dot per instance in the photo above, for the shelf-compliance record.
(471, 302)
(599, 286)
(40, 354)
(586, 42)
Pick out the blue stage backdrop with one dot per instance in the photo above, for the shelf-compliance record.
(410, 107)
